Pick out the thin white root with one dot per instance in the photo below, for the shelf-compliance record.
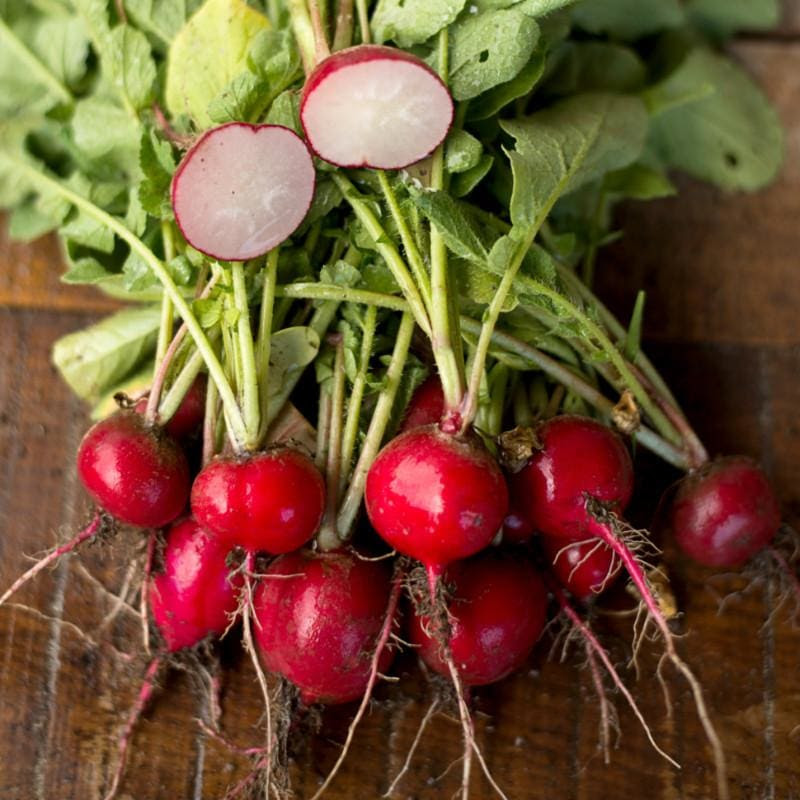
(248, 612)
(383, 639)
(413, 749)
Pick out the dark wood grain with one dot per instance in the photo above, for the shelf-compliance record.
(721, 323)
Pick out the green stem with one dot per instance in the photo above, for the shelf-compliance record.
(523, 418)
(343, 34)
(180, 386)
(535, 357)
(377, 428)
(303, 33)
(35, 68)
(327, 538)
(264, 340)
(340, 294)
(443, 326)
(321, 48)
(406, 237)
(387, 250)
(247, 358)
(146, 254)
(575, 383)
(350, 434)
(363, 21)
(658, 418)
(274, 12)
(210, 415)
(616, 329)
(594, 232)
(166, 324)
(319, 323)
(323, 428)
(498, 386)
(490, 317)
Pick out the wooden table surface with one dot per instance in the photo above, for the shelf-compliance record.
(723, 276)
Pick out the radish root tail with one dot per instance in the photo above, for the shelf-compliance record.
(593, 644)
(248, 614)
(441, 634)
(608, 527)
(100, 522)
(383, 641)
(145, 693)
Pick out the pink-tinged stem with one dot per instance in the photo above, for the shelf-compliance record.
(383, 640)
(87, 533)
(604, 530)
(320, 36)
(227, 744)
(696, 451)
(178, 139)
(145, 693)
(160, 376)
(593, 643)
(249, 780)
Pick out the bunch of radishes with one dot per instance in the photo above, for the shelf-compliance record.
(501, 502)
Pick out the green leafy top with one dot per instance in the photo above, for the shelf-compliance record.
(563, 108)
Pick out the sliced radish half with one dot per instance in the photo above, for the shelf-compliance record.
(375, 106)
(242, 189)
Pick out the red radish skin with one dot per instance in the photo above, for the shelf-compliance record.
(496, 616)
(189, 416)
(375, 106)
(585, 568)
(137, 474)
(579, 458)
(242, 189)
(435, 497)
(517, 529)
(271, 502)
(318, 619)
(195, 596)
(725, 513)
(426, 406)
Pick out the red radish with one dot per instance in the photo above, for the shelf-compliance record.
(242, 189)
(375, 106)
(584, 568)
(192, 599)
(496, 615)
(574, 487)
(725, 512)
(426, 406)
(137, 474)
(578, 458)
(195, 595)
(318, 618)
(271, 502)
(435, 497)
(189, 416)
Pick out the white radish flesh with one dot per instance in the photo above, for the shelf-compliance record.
(242, 190)
(375, 106)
